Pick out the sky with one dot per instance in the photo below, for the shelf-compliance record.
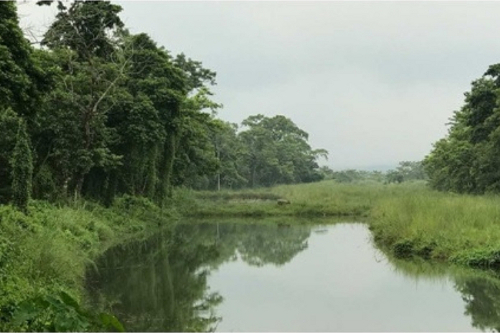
(374, 83)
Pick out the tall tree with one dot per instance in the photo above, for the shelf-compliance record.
(191, 117)
(278, 152)
(22, 168)
(85, 41)
(229, 151)
(466, 160)
(144, 117)
(9, 122)
(21, 80)
(22, 84)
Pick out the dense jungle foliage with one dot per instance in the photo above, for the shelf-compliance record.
(467, 160)
(95, 116)
(98, 112)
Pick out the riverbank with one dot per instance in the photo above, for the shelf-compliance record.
(322, 199)
(462, 229)
(44, 255)
(407, 219)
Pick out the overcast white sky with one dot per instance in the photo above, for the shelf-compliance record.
(374, 83)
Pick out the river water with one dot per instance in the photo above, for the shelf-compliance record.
(268, 277)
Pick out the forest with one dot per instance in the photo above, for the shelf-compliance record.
(97, 112)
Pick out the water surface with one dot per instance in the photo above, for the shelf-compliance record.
(266, 277)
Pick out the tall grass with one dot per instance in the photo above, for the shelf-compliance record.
(460, 228)
(408, 219)
(47, 251)
(323, 199)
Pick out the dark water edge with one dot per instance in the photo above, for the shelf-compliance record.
(280, 277)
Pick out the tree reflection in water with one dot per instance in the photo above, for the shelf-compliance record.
(161, 284)
(482, 299)
(480, 290)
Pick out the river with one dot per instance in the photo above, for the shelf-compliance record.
(269, 277)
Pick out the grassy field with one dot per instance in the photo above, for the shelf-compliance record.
(323, 199)
(407, 219)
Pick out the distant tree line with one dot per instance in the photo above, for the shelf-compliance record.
(467, 160)
(405, 171)
(97, 112)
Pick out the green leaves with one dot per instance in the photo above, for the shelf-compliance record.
(466, 161)
(61, 313)
(117, 114)
(87, 27)
(406, 171)
(22, 168)
(277, 152)
(111, 322)
(18, 73)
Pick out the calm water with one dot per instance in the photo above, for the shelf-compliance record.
(254, 277)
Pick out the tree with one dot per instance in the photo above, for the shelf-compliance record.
(123, 111)
(9, 121)
(393, 176)
(466, 160)
(107, 112)
(21, 80)
(277, 152)
(229, 151)
(406, 171)
(143, 119)
(85, 43)
(190, 129)
(22, 168)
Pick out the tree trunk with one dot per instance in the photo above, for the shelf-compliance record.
(218, 173)
(165, 186)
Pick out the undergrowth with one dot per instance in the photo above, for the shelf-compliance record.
(45, 253)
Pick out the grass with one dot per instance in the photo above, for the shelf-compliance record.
(408, 219)
(324, 199)
(47, 252)
(459, 228)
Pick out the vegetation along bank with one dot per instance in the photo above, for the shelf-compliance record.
(99, 126)
(107, 137)
(408, 219)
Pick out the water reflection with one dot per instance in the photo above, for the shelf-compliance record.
(259, 282)
(161, 284)
(479, 290)
(482, 297)
(259, 245)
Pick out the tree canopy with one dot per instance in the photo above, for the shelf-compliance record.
(467, 160)
(99, 112)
